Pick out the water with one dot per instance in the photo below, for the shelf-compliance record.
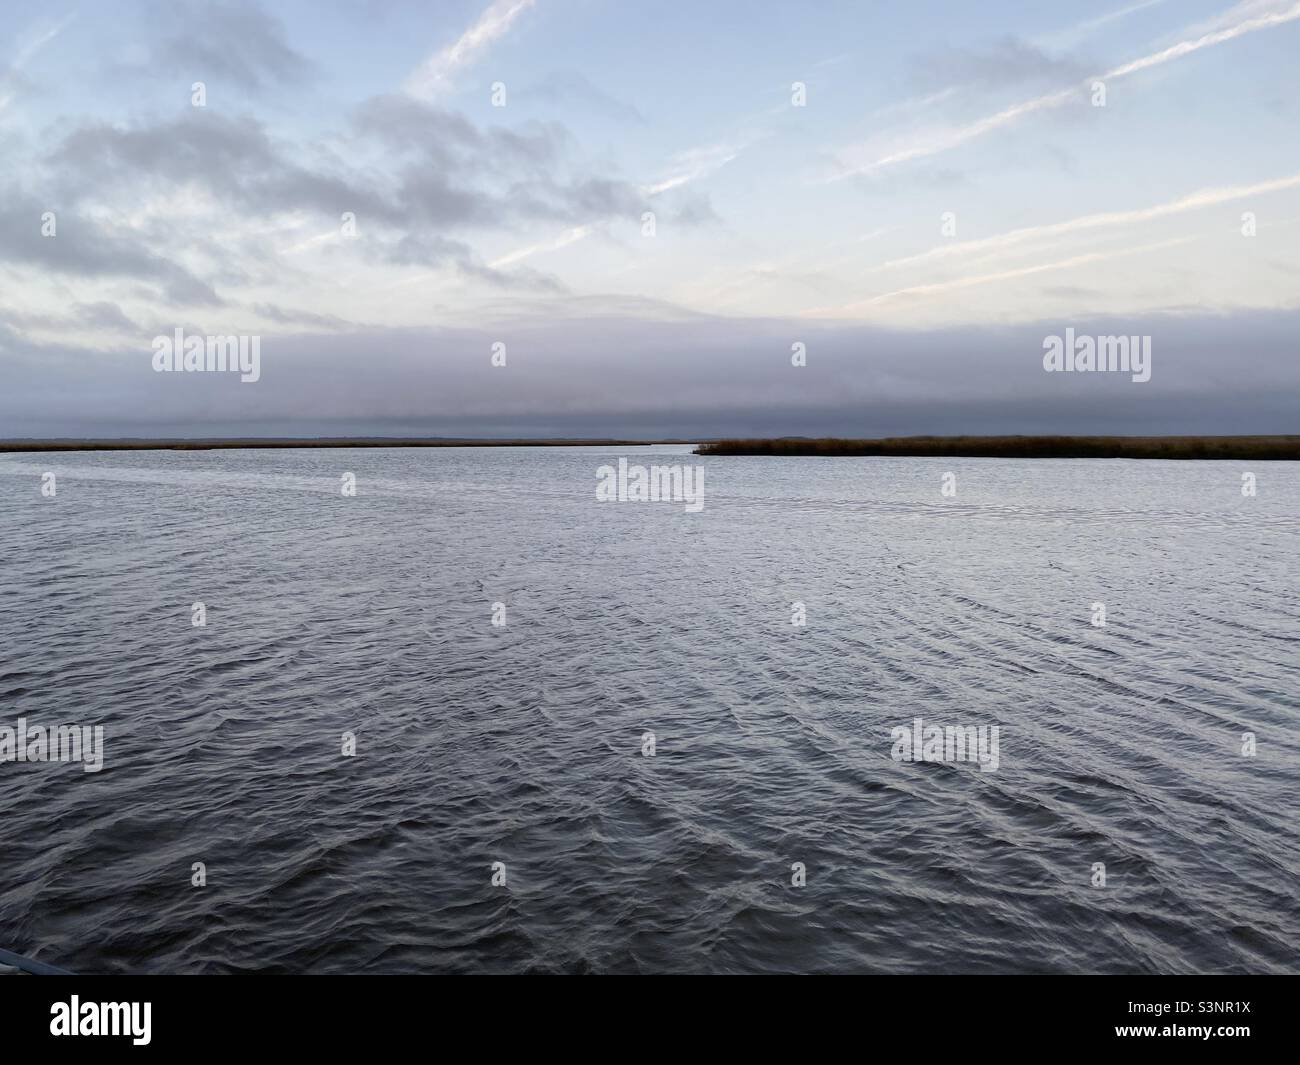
(522, 744)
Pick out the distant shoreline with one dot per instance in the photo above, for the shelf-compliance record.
(1255, 448)
(221, 443)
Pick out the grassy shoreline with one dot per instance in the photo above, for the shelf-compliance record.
(1255, 448)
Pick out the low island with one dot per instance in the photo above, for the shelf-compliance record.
(1254, 448)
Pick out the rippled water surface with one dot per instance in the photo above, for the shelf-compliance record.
(522, 744)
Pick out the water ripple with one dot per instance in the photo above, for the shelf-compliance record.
(477, 744)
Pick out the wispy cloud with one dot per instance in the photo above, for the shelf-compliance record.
(696, 163)
(28, 49)
(940, 287)
(1177, 51)
(1239, 12)
(1071, 35)
(1191, 202)
(934, 143)
(570, 236)
(433, 77)
(39, 40)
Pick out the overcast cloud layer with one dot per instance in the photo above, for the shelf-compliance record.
(663, 207)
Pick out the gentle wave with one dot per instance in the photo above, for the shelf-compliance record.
(523, 744)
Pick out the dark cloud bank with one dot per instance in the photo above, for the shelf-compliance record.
(627, 374)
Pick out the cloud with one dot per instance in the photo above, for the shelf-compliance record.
(571, 236)
(1008, 61)
(941, 287)
(238, 46)
(696, 163)
(235, 160)
(1194, 201)
(288, 316)
(421, 174)
(38, 40)
(1071, 35)
(229, 217)
(434, 76)
(621, 370)
(1264, 21)
(935, 143)
(412, 128)
(1238, 12)
(87, 248)
(10, 79)
(932, 143)
(424, 249)
(570, 87)
(201, 201)
(104, 315)
(100, 317)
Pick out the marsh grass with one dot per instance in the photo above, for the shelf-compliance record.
(1256, 448)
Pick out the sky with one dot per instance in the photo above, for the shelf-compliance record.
(648, 207)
